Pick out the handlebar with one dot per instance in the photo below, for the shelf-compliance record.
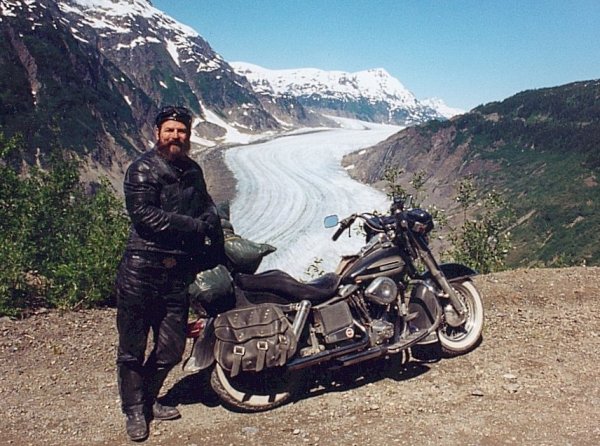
(338, 233)
(367, 218)
(399, 219)
(344, 224)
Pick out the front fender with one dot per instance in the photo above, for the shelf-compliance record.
(202, 355)
(453, 271)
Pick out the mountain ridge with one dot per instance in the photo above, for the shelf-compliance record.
(370, 95)
(129, 59)
(539, 148)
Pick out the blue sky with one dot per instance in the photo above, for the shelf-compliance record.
(466, 52)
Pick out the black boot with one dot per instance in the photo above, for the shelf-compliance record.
(160, 412)
(132, 400)
(155, 377)
(136, 424)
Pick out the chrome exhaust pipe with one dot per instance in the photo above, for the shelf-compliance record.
(316, 359)
(301, 316)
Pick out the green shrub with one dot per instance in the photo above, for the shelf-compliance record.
(483, 240)
(60, 244)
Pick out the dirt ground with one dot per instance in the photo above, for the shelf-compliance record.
(533, 381)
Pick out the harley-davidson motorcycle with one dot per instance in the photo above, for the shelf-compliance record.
(390, 298)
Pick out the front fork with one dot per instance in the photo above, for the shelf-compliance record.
(455, 313)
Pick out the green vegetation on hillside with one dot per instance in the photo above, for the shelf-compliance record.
(559, 201)
(482, 241)
(59, 244)
(544, 146)
(556, 120)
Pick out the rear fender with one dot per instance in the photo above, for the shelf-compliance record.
(202, 355)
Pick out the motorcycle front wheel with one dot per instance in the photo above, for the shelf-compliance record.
(254, 392)
(456, 341)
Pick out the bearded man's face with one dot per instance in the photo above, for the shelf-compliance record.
(173, 139)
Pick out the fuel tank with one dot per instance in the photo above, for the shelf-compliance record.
(384, 261)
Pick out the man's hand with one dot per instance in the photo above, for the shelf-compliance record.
(211, 224)
(211, 220)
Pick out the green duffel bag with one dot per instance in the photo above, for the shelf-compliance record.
(227, 227)
(246, 255)
(210, 287)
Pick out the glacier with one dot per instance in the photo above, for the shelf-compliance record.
(286, 186)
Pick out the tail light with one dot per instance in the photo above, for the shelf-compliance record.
(195, 328)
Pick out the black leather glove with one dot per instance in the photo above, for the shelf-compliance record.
(200, 226)
(212, 225)
(206, 223)
(212, 220)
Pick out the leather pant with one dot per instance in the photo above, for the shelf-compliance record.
(151, 294)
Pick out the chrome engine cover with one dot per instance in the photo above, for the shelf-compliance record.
(382, 291)
(381, 330)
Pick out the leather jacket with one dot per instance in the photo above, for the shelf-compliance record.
(168, 204)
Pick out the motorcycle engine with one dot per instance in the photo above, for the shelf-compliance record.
(381, 330)
(382, 291)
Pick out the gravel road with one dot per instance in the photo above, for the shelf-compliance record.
(533, 381)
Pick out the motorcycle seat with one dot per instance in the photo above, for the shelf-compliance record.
(285, 286)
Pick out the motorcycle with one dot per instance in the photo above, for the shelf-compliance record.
(390, 298)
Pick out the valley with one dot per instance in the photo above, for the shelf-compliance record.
(286, 187)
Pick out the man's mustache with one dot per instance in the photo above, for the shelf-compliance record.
(175, 142)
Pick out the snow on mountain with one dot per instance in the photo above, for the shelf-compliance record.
(375, 84)
(373, 94)
(171, 63)
(440, 106)
(109, 17)
(154, 60)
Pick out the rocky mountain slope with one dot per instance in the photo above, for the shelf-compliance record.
(89, 75)
(58, 91)
(539, 148)
(371, 95)
(167, 60)
(533, 381)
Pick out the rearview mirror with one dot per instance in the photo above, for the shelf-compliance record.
(331, 221)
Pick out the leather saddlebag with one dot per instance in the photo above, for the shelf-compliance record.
(253, 338)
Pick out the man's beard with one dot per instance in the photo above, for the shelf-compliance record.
(166, 150)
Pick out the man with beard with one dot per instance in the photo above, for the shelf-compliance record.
(175, 233)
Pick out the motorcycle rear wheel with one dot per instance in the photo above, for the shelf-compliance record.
(456, 341)
(254, 392)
